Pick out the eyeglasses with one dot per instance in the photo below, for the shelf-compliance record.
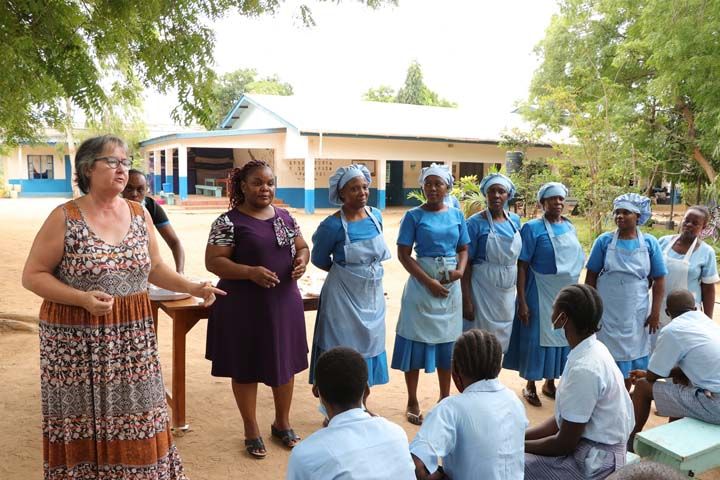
(114, 162)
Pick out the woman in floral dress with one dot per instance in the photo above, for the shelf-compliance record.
(103, 400)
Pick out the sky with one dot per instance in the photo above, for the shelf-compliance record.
(477, 53)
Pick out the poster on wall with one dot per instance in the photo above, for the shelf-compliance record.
(370, 164)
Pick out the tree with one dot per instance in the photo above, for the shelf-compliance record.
(413, 92)
(228, 88)
(83, 51)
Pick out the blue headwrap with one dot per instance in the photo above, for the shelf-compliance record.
(341, 177)
(442, 171)
(552, 189)
(635, 203)
(497, 179)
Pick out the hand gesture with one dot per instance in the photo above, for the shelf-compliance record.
(264, 277)
(437, 289)
(206, 291)
(299, 266)
(523, 313)
(653, 322)
(452, 275)
(636, 375)
(97, 303)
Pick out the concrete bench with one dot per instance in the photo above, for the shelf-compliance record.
(688, 445)
(169, 198)
(209, 190)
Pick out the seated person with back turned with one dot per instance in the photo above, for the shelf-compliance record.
(135, 190)
(480, 434)
(354, 445)
(688, 351)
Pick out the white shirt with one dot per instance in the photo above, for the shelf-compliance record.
(479, 434)
(691, 342)
(354, 446)
(592, 391)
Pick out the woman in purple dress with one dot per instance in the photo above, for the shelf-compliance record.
(257, 334)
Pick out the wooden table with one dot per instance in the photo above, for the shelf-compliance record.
(185, 314)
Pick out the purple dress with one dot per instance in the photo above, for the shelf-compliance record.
(257, 334)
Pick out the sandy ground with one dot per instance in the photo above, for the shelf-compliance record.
(213, 448)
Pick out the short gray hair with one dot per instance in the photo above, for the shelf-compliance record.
(85, 156)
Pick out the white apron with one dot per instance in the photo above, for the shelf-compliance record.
(569, 261)
(676, 279)
(352, 305)
(425, 317)
(623, 286)
(493, 284)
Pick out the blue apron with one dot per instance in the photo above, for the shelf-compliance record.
(424, 317)
(493, 284)
(352, 305)
(623, 286)
(569, 261)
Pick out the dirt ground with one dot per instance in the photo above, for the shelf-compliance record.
(213, 448)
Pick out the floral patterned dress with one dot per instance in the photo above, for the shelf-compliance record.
(103, 400)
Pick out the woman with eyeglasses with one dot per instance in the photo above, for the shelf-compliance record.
(103, 396)
(135, 190)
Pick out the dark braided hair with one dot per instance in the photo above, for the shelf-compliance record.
(237, 176)
(477, 355)
(583, 305)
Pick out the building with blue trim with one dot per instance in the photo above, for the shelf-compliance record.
(301, 134)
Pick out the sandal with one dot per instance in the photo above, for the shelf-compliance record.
(531, 397)
(255, 447)
(288, 437)
(548, 393)
(414, 418)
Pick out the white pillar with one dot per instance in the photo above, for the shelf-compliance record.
(182, 172)
(157, 172)
(309, 183)
(168, 170)
(381, 179)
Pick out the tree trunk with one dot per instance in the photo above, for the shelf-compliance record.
(697, 154)
(70, 140)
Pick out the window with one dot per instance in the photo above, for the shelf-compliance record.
(40, 166)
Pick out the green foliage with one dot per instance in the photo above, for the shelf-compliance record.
(87, 50)
(228, 88)
(413, 92)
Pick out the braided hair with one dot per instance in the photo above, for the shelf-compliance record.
(477, 355)
(583, 305)
(237, 176)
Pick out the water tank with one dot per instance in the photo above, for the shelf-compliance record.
(513, 161)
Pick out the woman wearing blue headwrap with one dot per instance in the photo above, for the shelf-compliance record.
(620, 266)
(431, 308)
(551, 259)
(495, 243)
(349, 245)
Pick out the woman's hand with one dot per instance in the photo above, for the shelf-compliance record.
(653, 322)
(299, 267)
(636, 375)
(264, 277)
(468, 310)
(97, 303)
(437, 289)
(452, 276)
(206, 291)
(523, 312)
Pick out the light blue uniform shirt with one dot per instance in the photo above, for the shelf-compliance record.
(691, 342)
(537, 250)
(702, 268)
(479, 228)
(354, 446)
(434, 234)
(596, 261)
(479, 434)
(329, 238)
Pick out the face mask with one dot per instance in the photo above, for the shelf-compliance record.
(554, 322)
(321, 408)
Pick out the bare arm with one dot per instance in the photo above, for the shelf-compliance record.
(468, 307)
(591, 278)
(658, 293)
(45, 255)
(546, 428)
(523, 309)
(302, 257)
(563, 442)
(218, 261)
(165, 277)
(414, 269)
(707, 294)
(167, 232)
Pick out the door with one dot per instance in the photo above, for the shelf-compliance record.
(471, 168)
(394, 183)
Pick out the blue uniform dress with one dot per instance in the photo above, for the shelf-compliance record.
(428, 325)
(624, 266)
(525, 353)
(356, 320)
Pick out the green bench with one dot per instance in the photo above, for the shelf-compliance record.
(688, 445)
(209, 190)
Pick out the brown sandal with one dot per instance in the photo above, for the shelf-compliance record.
(531, 397)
